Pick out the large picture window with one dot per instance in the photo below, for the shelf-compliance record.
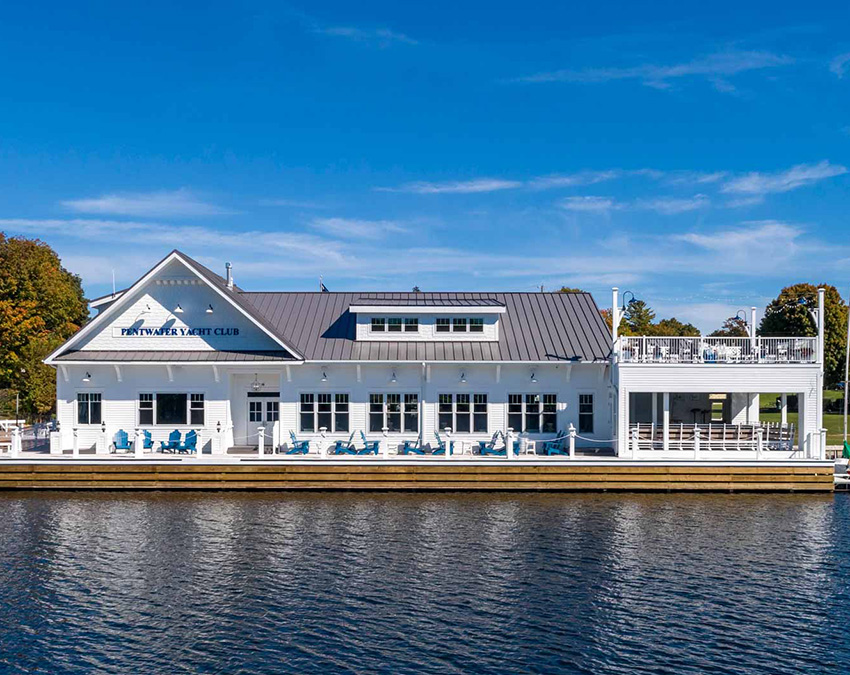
(533, 413)
(170, 409)
(399, 413)
(464, 413)
(88, 408)
(324, 410)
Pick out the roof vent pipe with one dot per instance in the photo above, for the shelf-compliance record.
(229, 268)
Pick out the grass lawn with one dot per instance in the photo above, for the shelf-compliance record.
(834, 423)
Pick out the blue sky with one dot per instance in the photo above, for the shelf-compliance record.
(693, 153)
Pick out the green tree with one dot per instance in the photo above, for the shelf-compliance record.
(41, 305)
(732, 327)
(672, 327)
(638, 318)
(567, 289)
(788, 315)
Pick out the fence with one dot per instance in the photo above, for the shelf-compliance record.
(717, 350)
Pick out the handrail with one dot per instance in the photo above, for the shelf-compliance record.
(712, 350)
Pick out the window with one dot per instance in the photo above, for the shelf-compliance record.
(533, 413)
(171, 408)
(585, 413)
(88, 409)
(394, 325)
(443, 325)
(411, 325)
(255, 411)
(324, 410)
(196, 409)
(145, 409)
(379, 325)
(459, 325)
(397, 412)
(464, 413)
(272, 411)
(476, 325)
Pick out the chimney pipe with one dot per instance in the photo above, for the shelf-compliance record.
(229, 268)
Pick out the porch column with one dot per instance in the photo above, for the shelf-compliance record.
(655, 407)
(753, 409)
(666, 437)
(783, 408)
(623, 436)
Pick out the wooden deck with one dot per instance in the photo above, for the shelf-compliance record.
(575, 475)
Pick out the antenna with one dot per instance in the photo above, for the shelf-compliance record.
(113, 282)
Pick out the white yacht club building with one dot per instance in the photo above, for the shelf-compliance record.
(186, 349)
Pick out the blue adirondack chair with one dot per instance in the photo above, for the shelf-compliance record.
(555, 447)
(441, 449)
(413, 446)
(489, 447)
(297, 447)
(345, 447)
(189, 445)
(369, 447)
(122, 442)
(147, 440)
(172, 444)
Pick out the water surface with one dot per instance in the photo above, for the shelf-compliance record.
(441, 583)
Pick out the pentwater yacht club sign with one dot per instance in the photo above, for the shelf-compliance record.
(143, 331)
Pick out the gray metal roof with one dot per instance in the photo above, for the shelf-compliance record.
(535, 327)
(137, 356)
(424, 300)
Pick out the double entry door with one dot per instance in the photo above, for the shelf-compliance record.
(263, 411)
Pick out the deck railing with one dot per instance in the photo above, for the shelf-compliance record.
(713, 436)
(704, 349)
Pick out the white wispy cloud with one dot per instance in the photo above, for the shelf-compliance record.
(293, 203)
(763, 236)
(181, 203)
(353, 228)
(455, 187)
(590, 204)
(714, 67)
(756, 183)
(838, 65)
(569, 180)
(382, 37)
(673, 205)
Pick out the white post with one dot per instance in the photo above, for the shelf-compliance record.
(572, 441)
(666, 421)
(261, 441)
(385, 444)
(615, 314)
(821, 331)
(754, 356)
(822, 453)
(75, 448)
(759, 443)
(323, 444)
(218, 443)
(276, 442)
(783, 408)
(509, 444)
(138, 444)
(654, 408)
(697, 433)
(55, 443)
(448, 431)
(15, 447)
(635, 443)
(102, 445)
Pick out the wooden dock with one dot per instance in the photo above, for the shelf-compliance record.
(62, 474)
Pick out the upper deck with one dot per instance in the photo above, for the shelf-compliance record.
(717, 350)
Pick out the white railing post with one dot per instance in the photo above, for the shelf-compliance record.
(448, 432)
(759, 443)
(822, 444)
(102, 445)
(276, 440)
(15, 447)
(385, 443)
(55, 443)
(218, 442)
(572, 441)
(138, 444)
(261, 441)
(75, 448)
(323, 444)
(509, 443)
(635, 442)
(697, 434)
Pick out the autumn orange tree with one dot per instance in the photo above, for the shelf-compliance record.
(41, 305)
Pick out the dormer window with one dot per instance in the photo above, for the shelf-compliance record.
(394, 325)
(459, 325)
(379, 325)
(443, 325)
(411, 325)
(476, 325)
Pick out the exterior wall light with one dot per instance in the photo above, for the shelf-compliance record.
(87, 377)
(393, 378)
(178, 310)
(324, 376)
(209, 309)
(533, 378)
(463, 378)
